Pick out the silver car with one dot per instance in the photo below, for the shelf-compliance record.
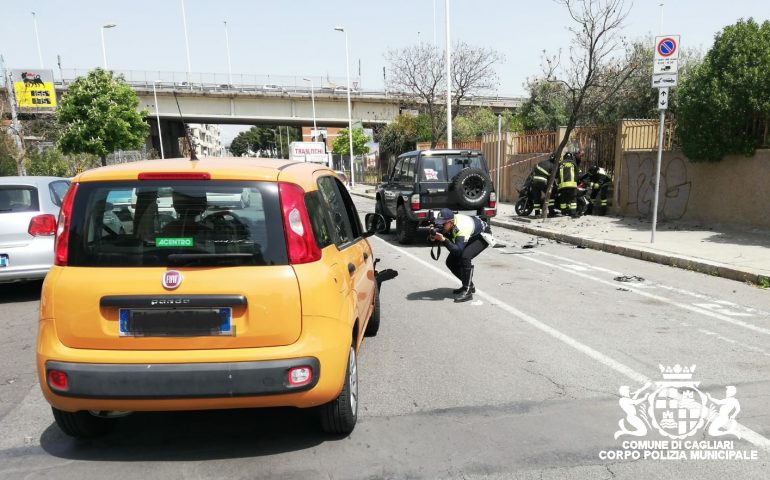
(29, 210)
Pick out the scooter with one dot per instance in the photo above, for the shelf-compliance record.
(525, 204)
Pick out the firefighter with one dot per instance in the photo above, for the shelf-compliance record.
(600, 184)
(568, 184)
(540, 175)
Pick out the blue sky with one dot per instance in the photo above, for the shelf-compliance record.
(296, 37)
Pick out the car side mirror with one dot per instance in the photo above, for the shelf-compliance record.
(375, 223)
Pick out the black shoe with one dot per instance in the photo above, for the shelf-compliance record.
(464, 296)
(460, 290)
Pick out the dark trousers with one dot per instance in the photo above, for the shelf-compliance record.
(461, 266)
(538, 195)
(568, 200)
(599, 199)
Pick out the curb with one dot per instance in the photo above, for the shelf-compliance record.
(696, 265)
(678, 261)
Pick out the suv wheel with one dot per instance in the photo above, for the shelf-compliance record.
(339, 416)
(471, 188)
(374, 321)
(378, 209)
(82, 424)
(405, 228)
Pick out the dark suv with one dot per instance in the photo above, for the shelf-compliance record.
(422, 182)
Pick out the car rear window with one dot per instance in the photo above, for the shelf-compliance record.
(18, 198)
(57, 190)
(442, 168)
(178, 223)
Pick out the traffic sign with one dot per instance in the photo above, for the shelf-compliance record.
(663, 98)
(662, 80)
(665, 65)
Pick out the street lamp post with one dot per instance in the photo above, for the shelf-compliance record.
(186, 44)
(157, 119)
(229, 65)
(448, 81)
(350, 109)
(37, 39)
(312, 100)
(104, 50)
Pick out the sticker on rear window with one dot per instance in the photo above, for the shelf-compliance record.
(430, 174)
(174, 242)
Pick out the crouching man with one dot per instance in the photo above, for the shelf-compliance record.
(464, 238)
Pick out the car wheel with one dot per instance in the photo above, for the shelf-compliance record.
(374, 321)
(524, 207)
(82, 424)
(339, 416)
(405, 228)
(471, 188)
(378, 209)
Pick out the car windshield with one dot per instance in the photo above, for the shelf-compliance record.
(442, 168)
(18, 199)
(145, 223)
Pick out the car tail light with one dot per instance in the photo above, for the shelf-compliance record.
(421, 214)
(61, 243)
(300, 242)
(490, 212)
(58, 380)
(492, 200)
(415, 201)
(42, 225)
(174, 176)
(299, 376)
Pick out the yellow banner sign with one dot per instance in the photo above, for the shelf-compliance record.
(34, 88)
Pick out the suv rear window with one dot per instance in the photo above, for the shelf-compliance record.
(442, 168)
(18, 199)
(194, 223)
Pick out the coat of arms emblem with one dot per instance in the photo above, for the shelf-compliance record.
(676, 408)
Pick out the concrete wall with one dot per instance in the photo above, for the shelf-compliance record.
(734, 191)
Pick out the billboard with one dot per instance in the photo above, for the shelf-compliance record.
(308, 152)
(34, 88)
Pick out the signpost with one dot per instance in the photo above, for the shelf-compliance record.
(665, 71)
(34, 89)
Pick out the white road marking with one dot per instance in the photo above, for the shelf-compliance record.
(634, 289)
(716, 307)
(745, 432)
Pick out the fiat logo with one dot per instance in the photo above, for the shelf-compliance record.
(172, 279)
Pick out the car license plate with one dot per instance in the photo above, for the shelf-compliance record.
(3, 260)
(193, 322)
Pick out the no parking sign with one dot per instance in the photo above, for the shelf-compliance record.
(666, 63)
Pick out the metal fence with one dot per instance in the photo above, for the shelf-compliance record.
(642, 135)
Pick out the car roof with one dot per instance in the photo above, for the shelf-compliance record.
(220, 168)
(30, 180)
(453, 151)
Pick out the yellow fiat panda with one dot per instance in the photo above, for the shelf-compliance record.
(208, 284)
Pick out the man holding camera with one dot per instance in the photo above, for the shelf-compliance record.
(463, 236)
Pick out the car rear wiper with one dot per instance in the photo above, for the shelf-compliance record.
(185, 258)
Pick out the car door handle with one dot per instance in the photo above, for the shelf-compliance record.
(351, 268)
(366, 256)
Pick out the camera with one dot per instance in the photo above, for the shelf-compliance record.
(432, 232)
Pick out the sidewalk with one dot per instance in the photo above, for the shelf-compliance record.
(738, 254)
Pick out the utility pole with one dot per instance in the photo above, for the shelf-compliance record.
(16, 125)
(448, 81)
(37, 40)
(499, 154)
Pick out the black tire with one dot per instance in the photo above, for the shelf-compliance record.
(524, 207)
(406, 229)
(471, 188)
(82, 424)
(339, 416)
(379, 209)
(373, 326)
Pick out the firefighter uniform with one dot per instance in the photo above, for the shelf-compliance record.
(600, 184)
(568, 185)
(540, 175)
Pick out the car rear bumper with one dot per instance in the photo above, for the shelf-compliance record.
(423, 215)
(185, 380)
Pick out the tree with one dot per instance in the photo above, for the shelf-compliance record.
(418, 72)
(593, 73)
(341, 145)
(724, 106)
(479, 121)
(98, 115)
(546, 107)
(402, 134)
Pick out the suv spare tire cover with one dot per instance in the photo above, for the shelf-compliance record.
(471, 188)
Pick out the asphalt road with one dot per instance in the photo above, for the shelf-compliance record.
(522, 382)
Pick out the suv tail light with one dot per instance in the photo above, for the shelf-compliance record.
(492, 200)
(300, 242)
(415, 201)
(61, 243)
(42, 225)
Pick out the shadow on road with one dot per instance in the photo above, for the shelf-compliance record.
(435, 294)
(20, 291)
(200, 435)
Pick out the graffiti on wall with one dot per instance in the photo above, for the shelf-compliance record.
(675, 186)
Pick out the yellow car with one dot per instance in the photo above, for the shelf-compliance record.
(193, 304)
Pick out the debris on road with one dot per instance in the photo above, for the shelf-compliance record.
(629, 278)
